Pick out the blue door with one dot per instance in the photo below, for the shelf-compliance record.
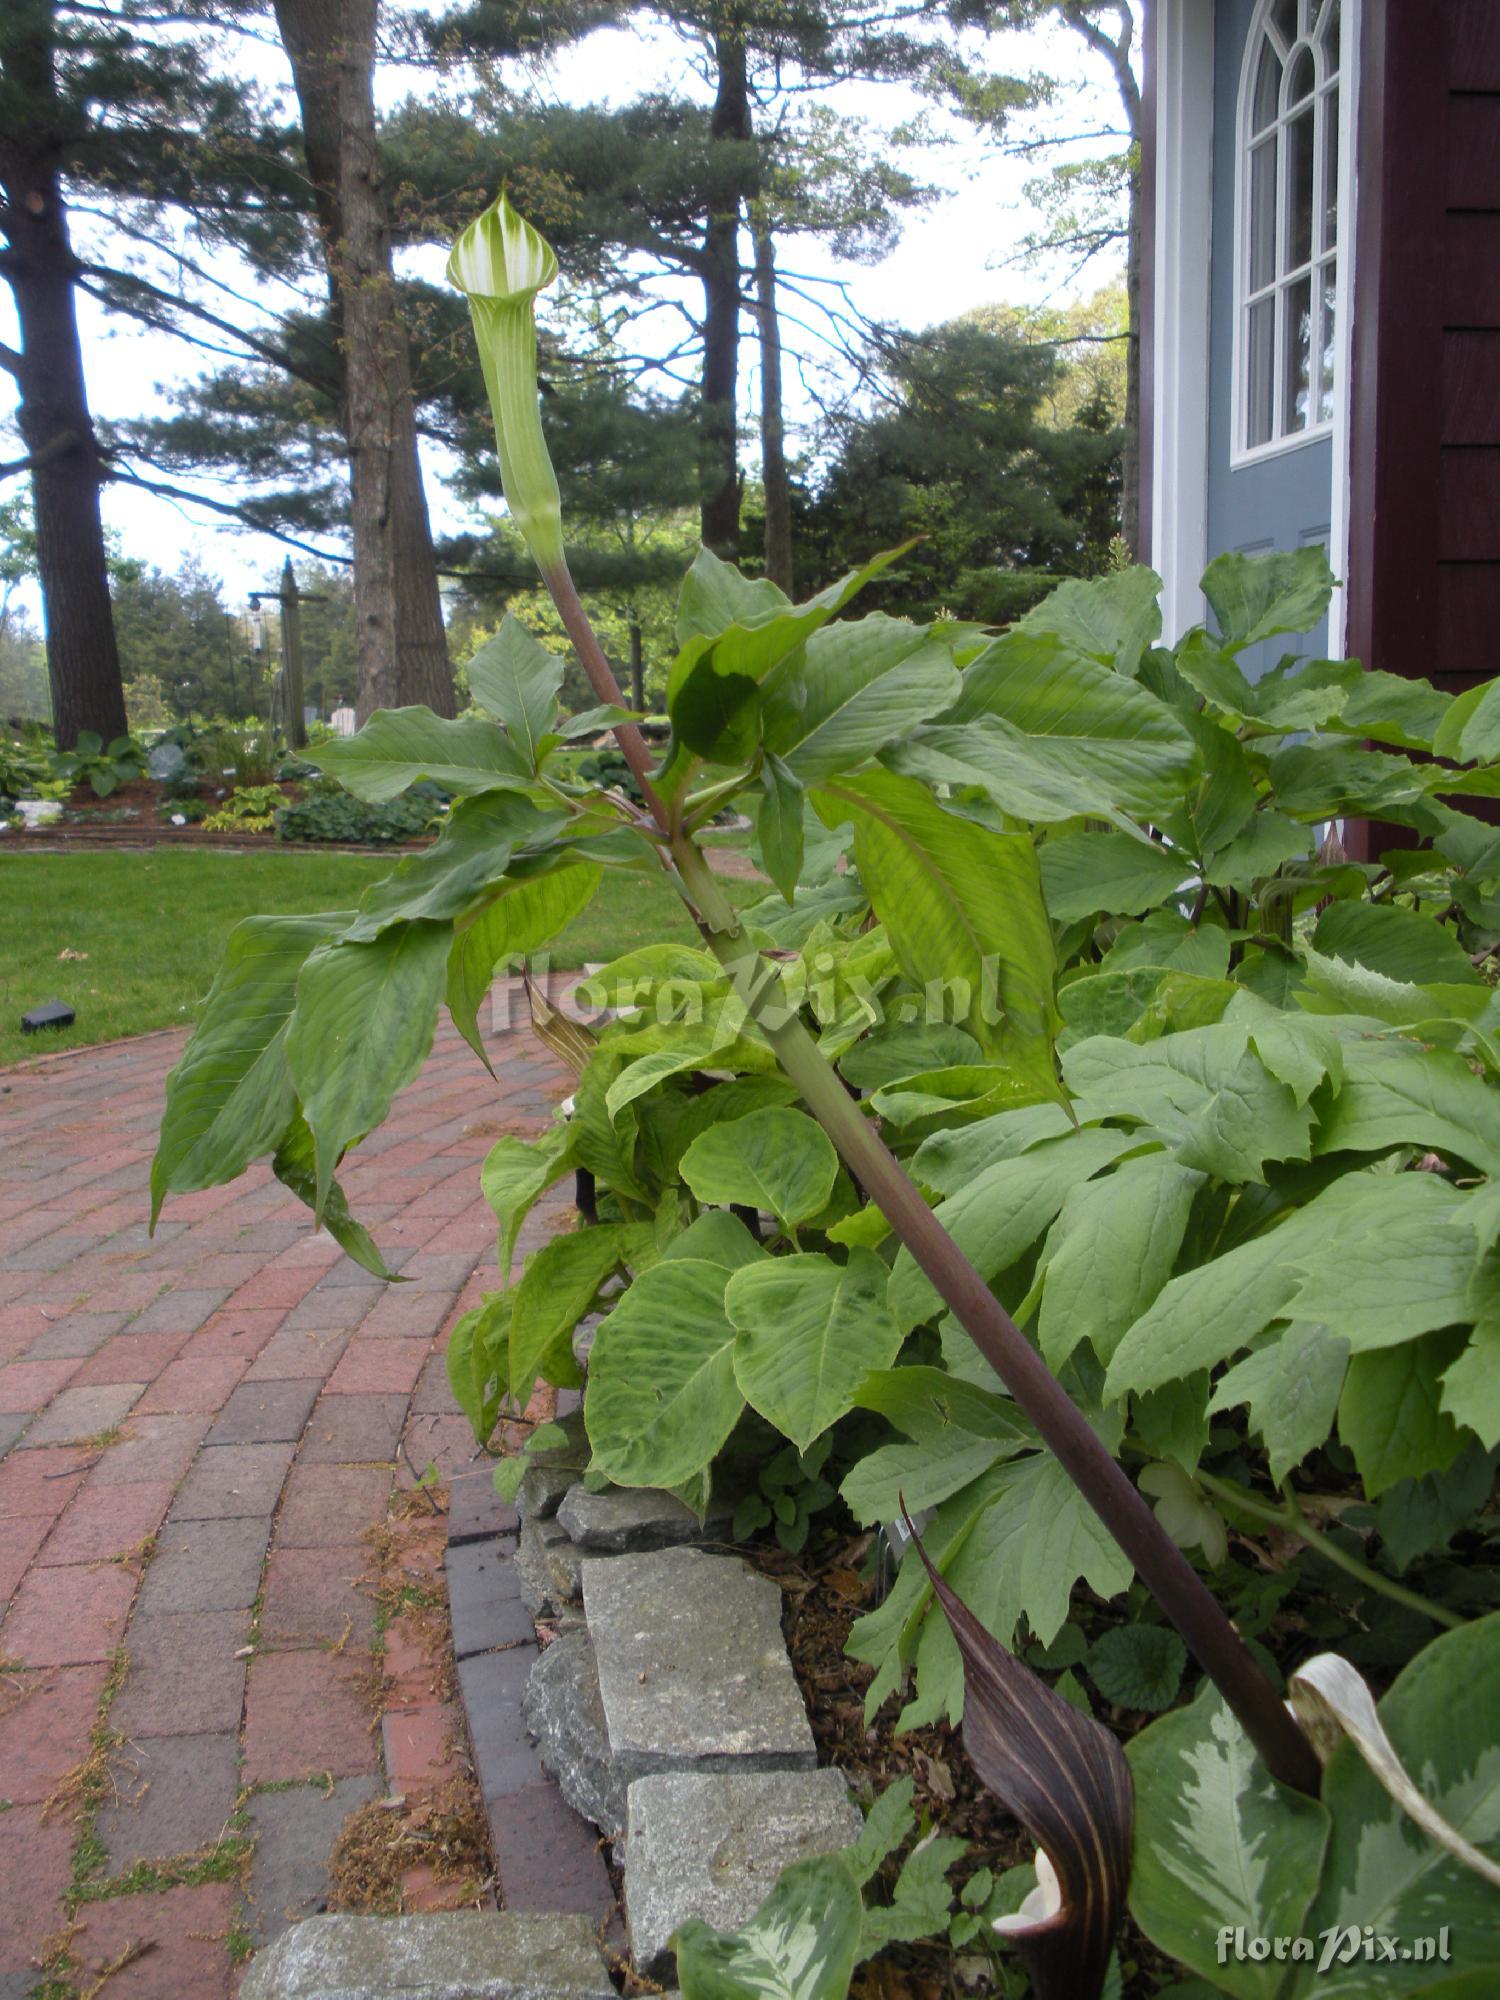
(1273, 281)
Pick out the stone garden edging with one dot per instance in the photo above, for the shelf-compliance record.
(661, 1717)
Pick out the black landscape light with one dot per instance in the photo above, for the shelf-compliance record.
(53, 1014)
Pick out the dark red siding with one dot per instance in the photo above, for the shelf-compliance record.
(1424, 556)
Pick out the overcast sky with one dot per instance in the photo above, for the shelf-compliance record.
(952, 256)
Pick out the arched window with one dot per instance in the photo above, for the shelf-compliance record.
(1286, 258)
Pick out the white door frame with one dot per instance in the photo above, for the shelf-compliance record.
(1180, 306)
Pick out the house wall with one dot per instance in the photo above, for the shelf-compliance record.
(1424, 559)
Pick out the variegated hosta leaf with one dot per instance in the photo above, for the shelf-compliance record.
(1382, 1870)
(801, 1944)
(1219, 1846)
(1066, 1779)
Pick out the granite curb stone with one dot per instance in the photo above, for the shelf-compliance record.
(458, 1955)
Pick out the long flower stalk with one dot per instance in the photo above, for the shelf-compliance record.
(503, 254)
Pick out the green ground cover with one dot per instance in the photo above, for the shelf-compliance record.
(151, 928)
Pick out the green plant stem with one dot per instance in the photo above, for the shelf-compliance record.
(1290, 1517)
(1167, 1573)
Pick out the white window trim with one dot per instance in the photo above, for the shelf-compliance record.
(1180, 305)
(1241, 454)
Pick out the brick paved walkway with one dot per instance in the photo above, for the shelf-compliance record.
(196, 1434)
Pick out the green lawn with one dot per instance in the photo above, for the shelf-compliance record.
(152, 926)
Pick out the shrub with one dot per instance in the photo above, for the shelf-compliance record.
(336, 815)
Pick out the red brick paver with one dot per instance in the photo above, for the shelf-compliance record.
(195, 1420)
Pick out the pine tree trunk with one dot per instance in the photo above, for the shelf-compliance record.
(720, 511)
(401, 646)
(772, 428)
(83, 661)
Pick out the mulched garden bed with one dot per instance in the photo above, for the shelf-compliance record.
(824, 1593)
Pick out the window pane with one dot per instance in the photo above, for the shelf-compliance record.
(1299, 189)
(1331, 169)
(1267, 87)
(1300, 79)
(1328, 286)
(1296, 349)
(1263, 215)
(1284, 17)
(1260, 371)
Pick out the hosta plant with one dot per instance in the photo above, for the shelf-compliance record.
(1071, 1114)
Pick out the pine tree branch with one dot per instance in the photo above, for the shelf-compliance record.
(10, 360)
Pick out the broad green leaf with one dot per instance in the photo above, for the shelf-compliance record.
(525, 916)
(1215, 1102)
(517, 680)
(1107, 874)
(714, 595)
(860, 685)
(1219, 807)
(889, 1054)
(1397, 942)
(801, 1944)
(1037, 1538)
(776, 1159)
(397, 746)
(1111, 619)
(1471, 1384)
(1219, 1846)
(1110, 1252)
(293, 1166)
(516, 1172)
(1204, 1315)
(1394, 709)
(935, 1099)
(467, 865)
(927, 1403)
(1292, 1386)
(1257, 597)
(918, 1475)
(716, 1237)
(559, 1284)
(1297, 1051)
(962, 907)
(779, 825)
(474, 1345)
(1390, 1413)
(808, 1332)
(1051, 736)
(636, 978)
(1297, 695)
(592, 720)
(662, 1397)
(1394, 1094)
(1266, 840)
(1172, 1421)
(230, 1096)
(1393, 1269)
(1000, 1213)
(1470, 731)
(1328, 777)
(362, 1027)
(1380, 1869)
(732, 634)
